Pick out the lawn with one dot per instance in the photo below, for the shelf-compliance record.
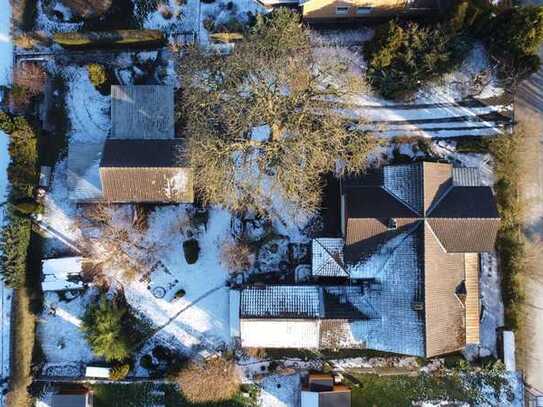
(148, 394)
(401, 390)
(398, 391)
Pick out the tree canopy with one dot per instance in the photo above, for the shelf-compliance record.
(516, 34)
(263, 121)
(103, 328)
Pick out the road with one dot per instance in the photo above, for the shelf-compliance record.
(529, 112)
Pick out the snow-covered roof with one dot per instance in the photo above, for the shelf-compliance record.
(83, 171)
(234, 301)
(142, 112)
(96, 371)
(466, 177)
(276, 333)
(405, 182)
(509, 351)
(61, 274)
(327, 257)
(281, 302)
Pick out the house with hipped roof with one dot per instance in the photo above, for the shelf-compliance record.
(402, 278)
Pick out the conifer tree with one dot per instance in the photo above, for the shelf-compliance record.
(103, 327)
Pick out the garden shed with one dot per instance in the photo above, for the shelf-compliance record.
(62, 274)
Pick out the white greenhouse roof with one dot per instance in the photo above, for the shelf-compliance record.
(57, 274)
(276, 333)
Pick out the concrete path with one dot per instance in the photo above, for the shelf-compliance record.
(529, 112)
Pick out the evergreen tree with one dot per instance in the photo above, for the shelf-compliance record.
(103, 327)
(402, 57)
(516, 35)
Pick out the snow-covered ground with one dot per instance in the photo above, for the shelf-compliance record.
(59, 330)
(280, 391)
(466, 102)
(192, 15)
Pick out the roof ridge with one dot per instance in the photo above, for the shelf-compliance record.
(408, 233)
(439, 200)
(401, 201)
(463, 217)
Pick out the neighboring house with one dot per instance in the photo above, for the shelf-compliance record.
(321, 391)
(348, 10)
(141, 161)
(336, 10)
(404, 277)
(69, 395)
(62, 274)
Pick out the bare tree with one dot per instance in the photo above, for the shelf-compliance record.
(30, 76)
(236, 256)
(116, 248)
(265, 120)
(215, 379)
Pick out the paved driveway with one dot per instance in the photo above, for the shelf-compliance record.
(529, 110)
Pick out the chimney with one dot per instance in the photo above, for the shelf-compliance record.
(392, 224)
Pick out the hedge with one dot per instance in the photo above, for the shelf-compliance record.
(22, 175)
(118, 37)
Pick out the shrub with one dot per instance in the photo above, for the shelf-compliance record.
(236, 256)
(119, 37)
(119, 372)
(25, 41)
(209, 23)
(6, 123)
(510, 244)
(19, 98)
(515, 35)
(31, 77)
(200, 218)
(89, 8)
(403, 57)
(104, 330)
(28, 206)
(162, 353)
(180, 293)
(97, 75)
(191, 249)
(257, 353)
(213, 380)
(165, 11)
(146, 361)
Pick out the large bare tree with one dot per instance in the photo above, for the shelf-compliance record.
(263, 122)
